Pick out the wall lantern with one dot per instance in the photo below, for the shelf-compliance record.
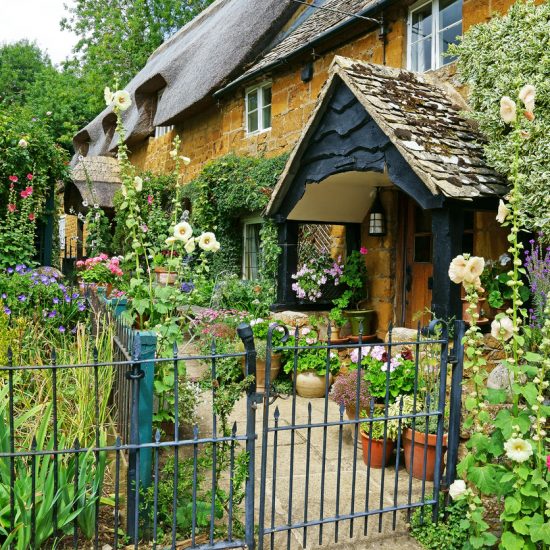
(377, 218)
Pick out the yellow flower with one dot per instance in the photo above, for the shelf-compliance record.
(518, 449)
(207, 241)
(502, 329)
(121, 99)
(457, 269)
(183, 231)
(473, 270)
(508, 110)
(108, 95)
(503, 211)
(528, 95)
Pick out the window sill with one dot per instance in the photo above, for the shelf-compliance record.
(258, 132)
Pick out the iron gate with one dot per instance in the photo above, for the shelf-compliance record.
(303, 492)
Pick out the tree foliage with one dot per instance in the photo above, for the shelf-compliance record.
(117, 36)
(496, 59)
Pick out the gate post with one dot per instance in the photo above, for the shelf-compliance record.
(246, 335)
(455, 400)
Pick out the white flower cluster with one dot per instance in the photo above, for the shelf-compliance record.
(183, 232)
(467, 270)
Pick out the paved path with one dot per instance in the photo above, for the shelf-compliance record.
(278, 505)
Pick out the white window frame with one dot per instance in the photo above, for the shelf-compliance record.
(437, 63)
(253, 220)
(161, 130)
(260, 96)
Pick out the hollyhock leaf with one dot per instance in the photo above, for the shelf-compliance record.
(510, 541)
(541, 533)
(484, 478)
(512, 505)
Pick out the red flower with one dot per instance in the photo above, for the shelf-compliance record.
(363, 250)
(13, 179)
(31, 216)
(30, 177)
(11, 207)
(27, 192)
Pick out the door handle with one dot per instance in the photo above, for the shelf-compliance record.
(408, 278)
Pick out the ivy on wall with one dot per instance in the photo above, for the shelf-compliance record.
(228, 189)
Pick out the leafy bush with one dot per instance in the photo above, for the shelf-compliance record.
(449, 533)
(496, 59)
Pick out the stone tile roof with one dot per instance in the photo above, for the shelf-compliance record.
(424, 120)
(318, 22)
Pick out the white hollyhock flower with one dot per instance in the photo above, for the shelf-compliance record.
(473, 270)
(528, 95)
(508, 110)
(216, 246)
(457, 269)
(518, 449)
(173, 153)
(138, 184)
(183, 231)
(207, 241)
(121, 99)
(124, 191)
(457, 489)
(502, 329)
(190, 246)
(170, 241)
(503, 211)
(23, 143)
(108, 95)
(185, 160)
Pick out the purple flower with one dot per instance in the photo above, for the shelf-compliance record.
(81, 306)
(55, 300)
(21, 297)
(9, 270)
(61, 329)
(187, 287)
(7, 310)
(52, 314)
(68, 299)
(75, 295)
(62, 287)
(44, 280)
(4, 295)
(20, 268)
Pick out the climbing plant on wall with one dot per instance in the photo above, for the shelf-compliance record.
(228, 189)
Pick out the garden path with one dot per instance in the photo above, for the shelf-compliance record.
(387, 538)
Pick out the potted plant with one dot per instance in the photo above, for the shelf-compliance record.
(311, 367)
(354, 277)
(344, 392)
(372, 439)
(419, 445)
(99, 271)
(374, 367)
(166, 266)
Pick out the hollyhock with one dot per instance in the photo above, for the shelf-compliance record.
(11, 207)
(183, 231)
(503, 211)
(518, 449)
(30, 177)
(13, 179)
(32, 216)
(457, 489)
(122, 100)
(502, 329)
(457, 269)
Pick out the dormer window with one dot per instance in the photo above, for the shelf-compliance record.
(433, 26)
(258, 108)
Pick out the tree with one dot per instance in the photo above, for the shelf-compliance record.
(497, 59)
(118, 36)
(20, 65)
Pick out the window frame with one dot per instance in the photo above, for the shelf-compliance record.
(251, 220)
(436, 61)
(258, 88)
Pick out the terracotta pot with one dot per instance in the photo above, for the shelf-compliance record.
(466, 317)
(311, 384)
(165, 277)
(260, 371)
(419, 449)
(376, 451)
(108, 290)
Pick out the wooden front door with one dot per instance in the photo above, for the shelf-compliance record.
(418, 269)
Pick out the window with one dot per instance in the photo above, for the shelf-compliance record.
(433, 27)
(251, 248)
(258, 109)
(162, 130)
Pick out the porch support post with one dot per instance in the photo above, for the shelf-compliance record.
(288, 264)
(447, 230)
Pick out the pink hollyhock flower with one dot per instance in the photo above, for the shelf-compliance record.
(13, 179)
(27, 192)
(548, 462)
(31, 216)
(363, 250)
(30, 177)
(149, 199)
(11, 207)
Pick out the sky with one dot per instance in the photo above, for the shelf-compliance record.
(37, 20)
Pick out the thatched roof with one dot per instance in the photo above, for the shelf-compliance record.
(421, 117)
(95, 180)
(200, 58)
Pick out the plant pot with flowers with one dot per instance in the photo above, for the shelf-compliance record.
(99, 272)
(165, 262)
(310, 367)
(378, 438)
